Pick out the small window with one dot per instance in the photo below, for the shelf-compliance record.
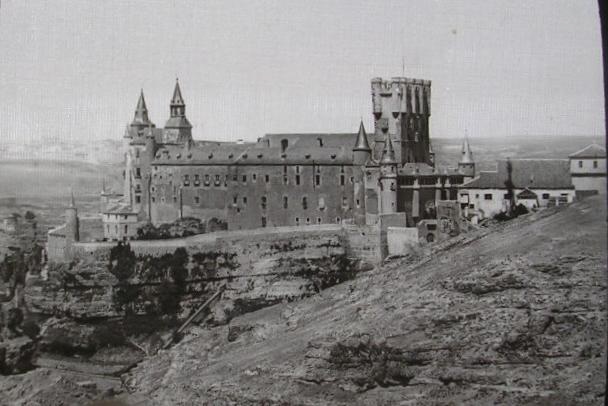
(342, 180)
(285, 202)
(318, 220)
(595, 164)
(546, 196)
(126, 229)
(264, 201)
(267, 178)
(344, 201)
(263, 221)
(197, 199)
(124, 217)
(304, 203)
(487, 196)
(254, 177)
(153, 199)
(297, 221)
(580, 164)
(321, 203)
(244, 178)
(431, 227)
(244, 199)
(297, 168)
(477, 196)
(471, 206)
(358, 203)
(138, 172)
(338, 220)
(506, 196)
(307, 220)
(235, 199)
(137, 153)
(298, 180)
(320, 140)
(284, 145)
(137, 199)
(217, 182)
(317, 180)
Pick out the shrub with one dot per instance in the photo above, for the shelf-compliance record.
(30, 329)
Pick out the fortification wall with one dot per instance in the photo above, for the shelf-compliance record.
(57, 245)
(259, 267)
(401, 240)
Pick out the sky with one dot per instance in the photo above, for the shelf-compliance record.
(72, 70)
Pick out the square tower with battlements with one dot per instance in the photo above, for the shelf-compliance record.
(402, 108)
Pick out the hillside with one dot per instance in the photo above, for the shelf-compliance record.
(513, 316)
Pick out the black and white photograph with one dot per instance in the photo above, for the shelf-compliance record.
(303, 202)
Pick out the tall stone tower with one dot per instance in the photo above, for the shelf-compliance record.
(402, 108)
(140, 150)
(179, 129)
(388, 179)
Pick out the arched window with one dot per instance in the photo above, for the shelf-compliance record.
(284, 145)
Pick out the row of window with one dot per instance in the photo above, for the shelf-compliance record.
(304, 202)
(580, 164)
(217, 181)
(489, 196)
(297, 221)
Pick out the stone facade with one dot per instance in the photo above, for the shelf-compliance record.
(291, 179)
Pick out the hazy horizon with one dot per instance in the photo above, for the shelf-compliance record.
(72, 70)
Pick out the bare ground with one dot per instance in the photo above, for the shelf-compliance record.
(515, 315)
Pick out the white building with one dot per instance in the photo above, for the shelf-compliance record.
(588, 170)
(536, 182)
(119, 223)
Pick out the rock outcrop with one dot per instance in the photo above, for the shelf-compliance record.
(515, 316)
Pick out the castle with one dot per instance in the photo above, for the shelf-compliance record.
(286, 179)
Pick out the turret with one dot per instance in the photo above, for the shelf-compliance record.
(141, 119)
(178, 124)
(71, 221)
(466, 165)
(361, 151)
(388, 178)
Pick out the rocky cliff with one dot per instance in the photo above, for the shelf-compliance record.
(513, 316)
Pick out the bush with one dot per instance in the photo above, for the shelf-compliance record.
(30, 329)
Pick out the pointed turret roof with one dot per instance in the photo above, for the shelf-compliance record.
(467, 155)
(177, 99)
(362, 144)
(141, 111)
(388, 154)
(178, 110)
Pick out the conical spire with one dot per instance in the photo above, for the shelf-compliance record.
(178, 111)
(388, 154)
(467, 155)
(362, 144)
(141, 111)
(177, 99)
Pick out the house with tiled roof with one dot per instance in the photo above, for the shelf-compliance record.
(548, 180)
(588, 170)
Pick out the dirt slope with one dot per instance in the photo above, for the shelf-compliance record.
(517, 316)
(514, 315)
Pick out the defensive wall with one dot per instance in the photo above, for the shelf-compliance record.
(366, 242)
